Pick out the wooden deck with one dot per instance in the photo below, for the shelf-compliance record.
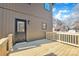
(49, 49)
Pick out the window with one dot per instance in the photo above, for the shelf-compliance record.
(47, 6)
(44, 26)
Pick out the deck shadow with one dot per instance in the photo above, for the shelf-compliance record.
(31, 45)
(50, 54)
(21, 50)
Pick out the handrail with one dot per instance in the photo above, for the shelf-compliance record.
(3, 40)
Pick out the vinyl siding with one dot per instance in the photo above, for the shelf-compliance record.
(34, 12)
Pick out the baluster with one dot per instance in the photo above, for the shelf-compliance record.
(59, 37)
(63, 37)
(70, 38)
(78, 40)
(75, 39)
(67, 38)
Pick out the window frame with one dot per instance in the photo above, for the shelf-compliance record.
(44, 26)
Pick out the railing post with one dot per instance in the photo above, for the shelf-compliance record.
(10, 43)
(3, 46)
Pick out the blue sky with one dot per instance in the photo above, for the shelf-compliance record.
(63, 10)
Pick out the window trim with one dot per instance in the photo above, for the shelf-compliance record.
(44, 28)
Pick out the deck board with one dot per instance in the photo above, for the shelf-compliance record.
(53, 48)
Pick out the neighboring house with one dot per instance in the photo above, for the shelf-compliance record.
(25, 21)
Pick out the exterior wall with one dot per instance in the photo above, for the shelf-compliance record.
(34, 12)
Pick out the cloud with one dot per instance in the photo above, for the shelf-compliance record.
(64, 11)
(60, 16)
(53, 9)
(65, 17)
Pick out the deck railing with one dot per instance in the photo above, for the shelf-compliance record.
(6, 45)
(65, 37)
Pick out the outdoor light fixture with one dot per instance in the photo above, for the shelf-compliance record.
(28, 21)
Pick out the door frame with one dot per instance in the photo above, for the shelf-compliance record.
(23, 20)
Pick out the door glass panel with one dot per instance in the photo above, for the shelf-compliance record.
(20, 26)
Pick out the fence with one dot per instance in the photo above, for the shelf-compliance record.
(65, 37)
